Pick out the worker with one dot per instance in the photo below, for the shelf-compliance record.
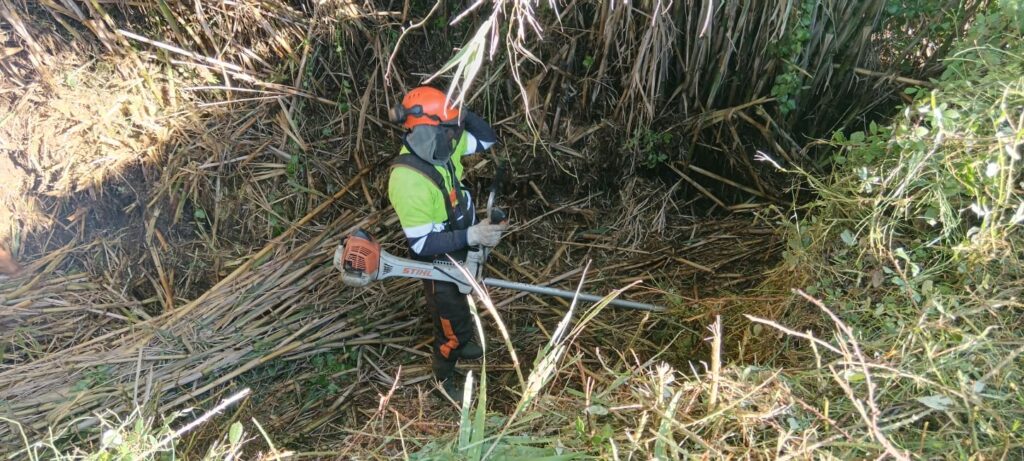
(437, 214)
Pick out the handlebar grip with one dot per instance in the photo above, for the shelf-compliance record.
(498, 216)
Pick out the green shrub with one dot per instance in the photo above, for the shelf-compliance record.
(915, 243)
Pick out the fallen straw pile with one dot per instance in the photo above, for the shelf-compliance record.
(41, 318)
(284, 303)
(284, 296)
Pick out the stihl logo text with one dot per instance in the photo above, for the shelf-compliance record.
(414, 271)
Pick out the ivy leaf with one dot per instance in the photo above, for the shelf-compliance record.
(235, 433)
(111, 438)
(936, 402)
(848, 238)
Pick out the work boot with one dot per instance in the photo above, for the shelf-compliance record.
(454, 388)
(471, 350)
(444, 373)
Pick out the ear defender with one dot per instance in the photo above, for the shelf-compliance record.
(397, 113)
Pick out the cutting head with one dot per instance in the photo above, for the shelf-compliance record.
(358, 259)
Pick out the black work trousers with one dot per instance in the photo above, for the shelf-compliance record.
(453, 324)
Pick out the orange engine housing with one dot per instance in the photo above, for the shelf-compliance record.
(361, 254)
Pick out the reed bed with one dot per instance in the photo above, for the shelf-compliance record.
(177, 175)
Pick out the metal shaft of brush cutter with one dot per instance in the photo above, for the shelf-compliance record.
(361, 261)
(498, 283)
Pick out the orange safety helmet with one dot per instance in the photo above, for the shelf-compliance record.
(424, 105)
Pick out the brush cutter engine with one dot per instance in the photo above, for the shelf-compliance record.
(358, 260)
(361, 261)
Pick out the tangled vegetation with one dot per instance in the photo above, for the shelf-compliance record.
(827, 194)
(911, 255)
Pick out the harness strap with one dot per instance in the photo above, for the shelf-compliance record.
(427, 170)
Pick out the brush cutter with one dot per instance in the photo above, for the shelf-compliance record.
(361, 261)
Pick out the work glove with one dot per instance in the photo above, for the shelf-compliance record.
(485, 234)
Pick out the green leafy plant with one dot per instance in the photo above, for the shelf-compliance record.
(137, 437)
(788, 50)
(912, 236)
(322, 383)
(652, 146)
(588, 62)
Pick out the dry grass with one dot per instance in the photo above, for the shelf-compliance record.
(179, 173)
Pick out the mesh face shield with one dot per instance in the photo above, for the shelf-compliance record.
(431, 143)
